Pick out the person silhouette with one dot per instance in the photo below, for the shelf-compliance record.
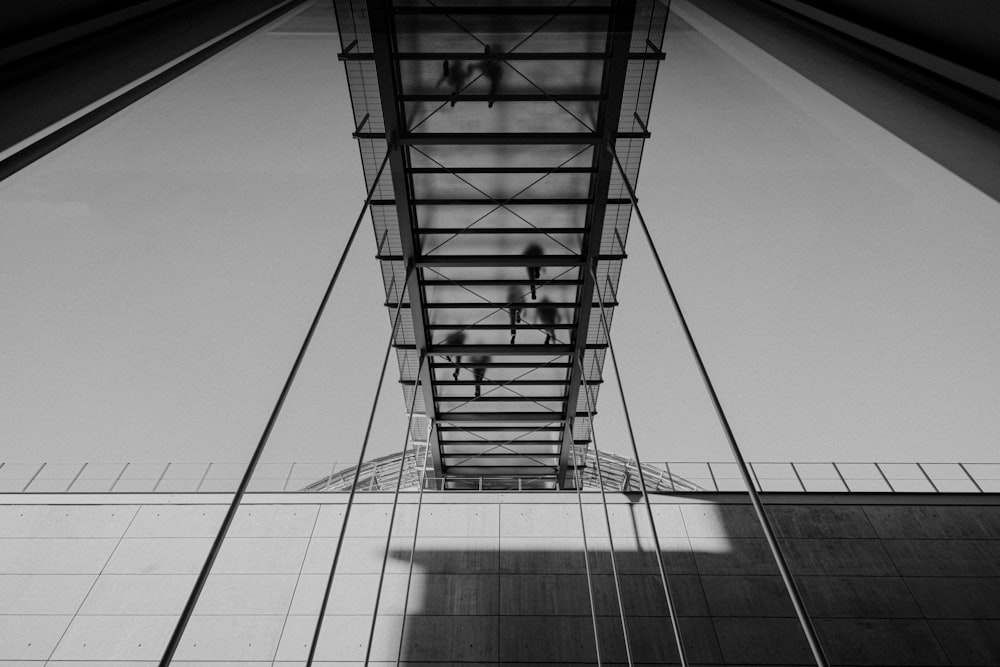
(478, 367)
(455, 74)
(549, 316)
(534, 272)
(492, 66)
(456, 338)
(514, 298)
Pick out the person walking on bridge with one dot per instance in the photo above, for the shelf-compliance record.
(549, 316)
(534, 271)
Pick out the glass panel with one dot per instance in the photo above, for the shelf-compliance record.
(907, 477)
(54, 477)
(820, 477)
(986, 474)
(777, 477)
(696, 474)
(727, 477)
(140, 477)
(97, 477)
(949, 478)
(863, 477)
(14, 477)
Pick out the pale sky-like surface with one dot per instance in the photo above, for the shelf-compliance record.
(158, 273)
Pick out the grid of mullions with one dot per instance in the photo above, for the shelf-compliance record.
(488, 184)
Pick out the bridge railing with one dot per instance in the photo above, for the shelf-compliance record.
(677, 477)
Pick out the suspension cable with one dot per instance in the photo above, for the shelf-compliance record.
(671, 605)
(758, 506)
(586, 553)
(413, 547)
(607, 516)
(354, 484)
(213, 552)
(392, 515)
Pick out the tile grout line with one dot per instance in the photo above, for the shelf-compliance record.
(902, 579)
(111, 555)
(499, 569)
(701, 581)
(298, 579)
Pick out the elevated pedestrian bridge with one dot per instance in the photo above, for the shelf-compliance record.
(500, 216)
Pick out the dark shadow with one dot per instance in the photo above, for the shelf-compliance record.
(870, 607)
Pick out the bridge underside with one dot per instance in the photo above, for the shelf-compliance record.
(501, 222)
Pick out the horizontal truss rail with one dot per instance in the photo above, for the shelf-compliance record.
(505, 383)
(480, 10)
(501, 138)
(488, 201)
(501, 97)
(500, 170)
(499, 230)
(499, 327)
(489, 261)
(516, 55)
(476, 305)
(498, 282)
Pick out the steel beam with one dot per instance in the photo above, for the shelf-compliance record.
(501, 170)
(501, 97)
(505, 383)
(499, 230)
(476, 305)
(380, 23)
(498, 282)
(499, 327)
(499, 350)
(444, 261)
(452, 417)
(501, 364)
(498, 471)
(505, 203)
(516, 55)
(500, 138)
(500, 10)
(615, 69)
(534, 429)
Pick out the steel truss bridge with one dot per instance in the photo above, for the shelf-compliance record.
(501, 218)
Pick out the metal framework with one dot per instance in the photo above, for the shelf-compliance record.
(618, 474)
(506, 206)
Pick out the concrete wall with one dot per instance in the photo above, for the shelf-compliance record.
(963, 31)
(893, 580)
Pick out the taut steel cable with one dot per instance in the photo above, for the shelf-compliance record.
(392, 515)
(175, 638)
(354, 485)
(586, 556)
(758, 506)
(607, 516)
(671, 605)
(413, 551)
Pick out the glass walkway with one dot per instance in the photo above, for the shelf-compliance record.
(501, 220)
